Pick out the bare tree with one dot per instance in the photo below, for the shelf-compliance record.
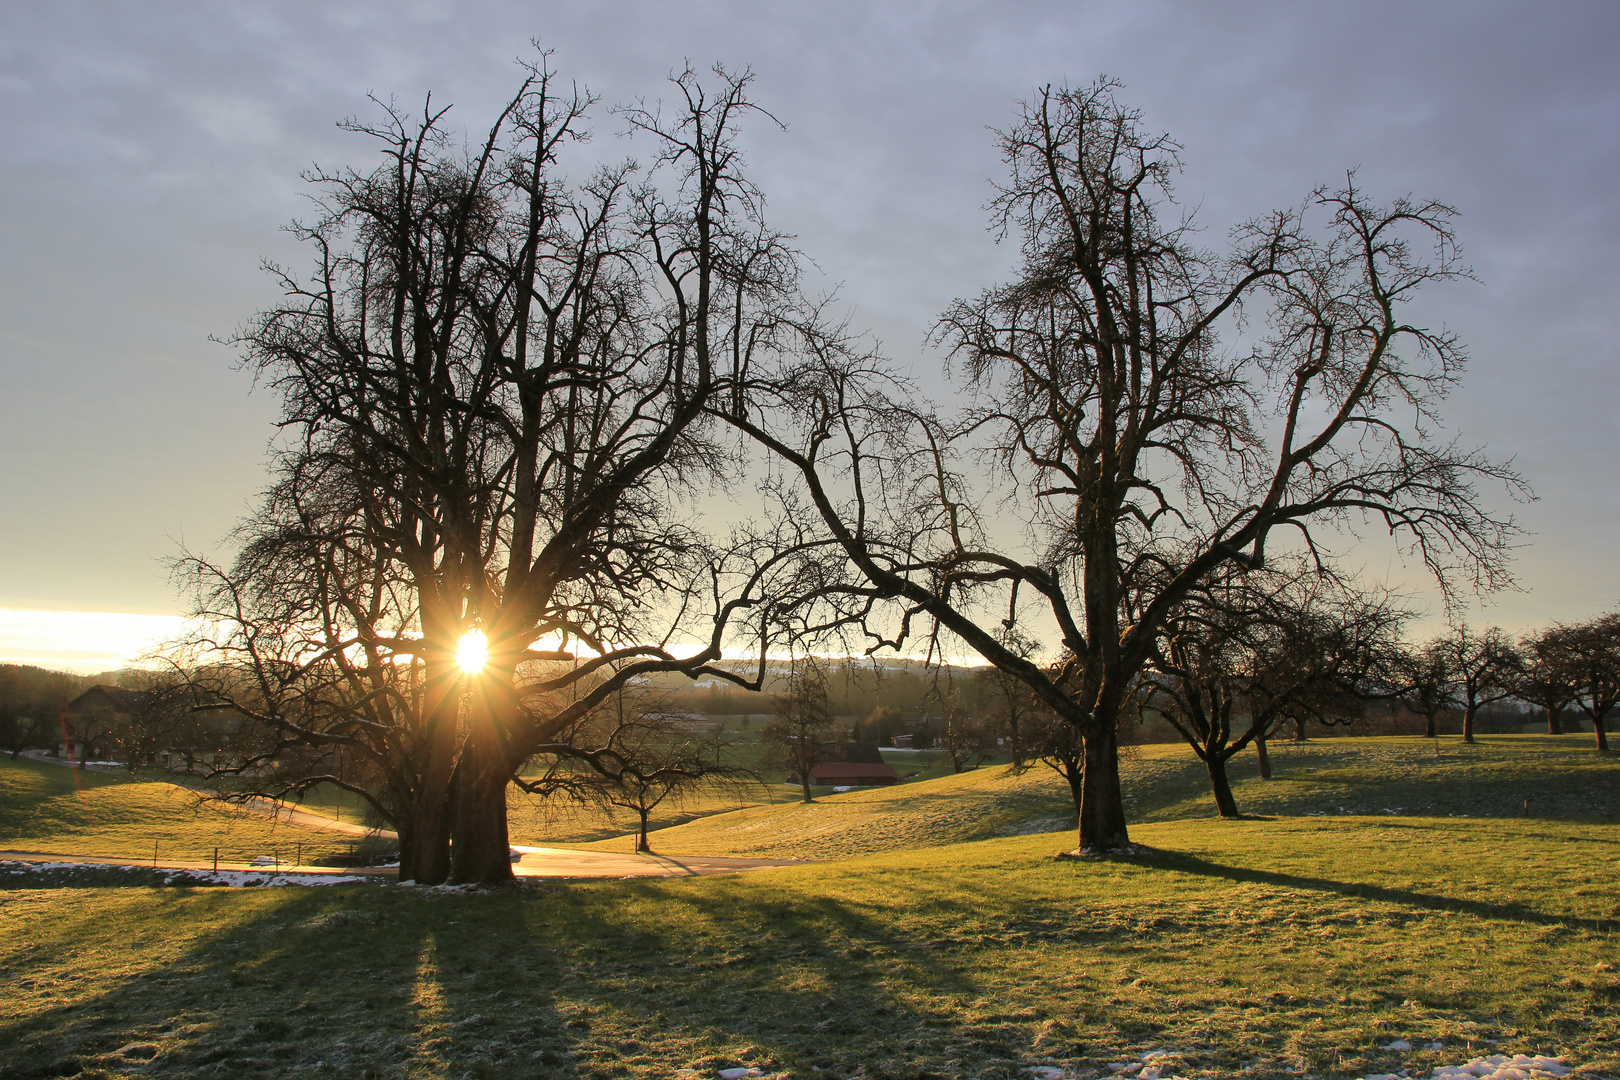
(1140, 454)
(1259, 649)
(1589, 653)
(1545, 679)
(498, 392)
(639, 760)
(803, 724)
(1425, 684)
(1480, 668)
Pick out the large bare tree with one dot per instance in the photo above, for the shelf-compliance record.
(501, 388)
(1144, 414)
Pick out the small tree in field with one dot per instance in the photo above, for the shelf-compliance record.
(1481, 668)
(646, 761)
(1424, 684)
(803, 723)
(1589, 654)
(1546, 680)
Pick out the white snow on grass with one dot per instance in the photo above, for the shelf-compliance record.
(172, 876)
(1494, 1067)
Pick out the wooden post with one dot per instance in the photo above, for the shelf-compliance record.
(216, 860)
(154, 854)
(299, 859)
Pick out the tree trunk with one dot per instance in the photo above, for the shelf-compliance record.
(407, 852)
(430, 802)
(1102, 806)
(1602, 736)
(1468, 724)
(1299, 731)
(804, 782)
(480, 852)
(1553, 726)
(1224, 803)
(1074, 772)
(1264, 755)
(641, 839)
(1428, 727)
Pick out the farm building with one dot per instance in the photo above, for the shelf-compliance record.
(852, 774)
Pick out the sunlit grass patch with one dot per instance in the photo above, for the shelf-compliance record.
(1559, 776)
(74, 812)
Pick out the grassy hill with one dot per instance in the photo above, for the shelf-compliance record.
(1270, 949)
(1560, 775)
(51, 809)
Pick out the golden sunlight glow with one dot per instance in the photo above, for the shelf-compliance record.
(473, 651)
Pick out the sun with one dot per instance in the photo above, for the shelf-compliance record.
(473, 651)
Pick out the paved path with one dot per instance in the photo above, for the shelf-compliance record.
(568, 862)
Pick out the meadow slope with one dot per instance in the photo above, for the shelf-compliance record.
(1560, 776)
(55, 810)
(1271, 949)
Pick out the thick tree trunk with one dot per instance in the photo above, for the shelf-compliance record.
(804, 783)
(480, 852)
(1428, 727)
(1602, 736)
(1468, 724)
(641, 839)
(1553, 726)
(1299, 731)
(430, 802)
(1264, 755)
(1102, 806)
(1224, 803)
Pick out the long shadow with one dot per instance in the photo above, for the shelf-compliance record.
(1562, 838)
(1192, 864)
(545, 981)
(343, 980)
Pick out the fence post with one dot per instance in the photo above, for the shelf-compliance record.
(154, 854)
(216, 860)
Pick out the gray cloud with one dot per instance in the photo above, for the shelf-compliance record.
(151, 154)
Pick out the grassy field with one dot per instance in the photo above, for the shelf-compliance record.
(55, 810)
(1560, 776)
(1270, 948)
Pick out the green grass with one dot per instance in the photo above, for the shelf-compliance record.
(1327, 777)
(1253, 946)
(55, 810)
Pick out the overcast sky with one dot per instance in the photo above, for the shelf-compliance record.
(151, 154)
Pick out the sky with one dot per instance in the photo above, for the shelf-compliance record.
(150, 158)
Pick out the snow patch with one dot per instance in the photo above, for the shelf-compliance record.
(1494, 1067)
(1502, 1067)
(89, 874)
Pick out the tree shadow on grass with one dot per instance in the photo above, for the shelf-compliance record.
(1192, 864)
(612, 980)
